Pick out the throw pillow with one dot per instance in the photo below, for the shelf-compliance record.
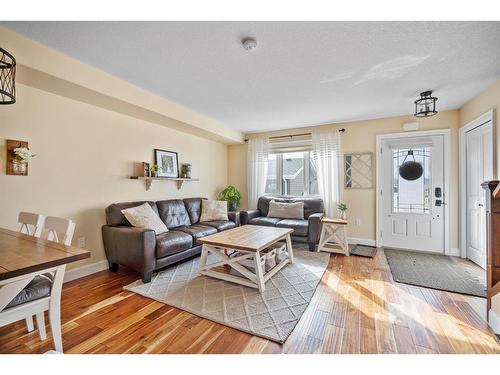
(284, 210)
(213, 210)
(143, 216)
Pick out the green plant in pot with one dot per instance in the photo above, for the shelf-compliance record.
(153, 169)
(342, 207)
(232, 196)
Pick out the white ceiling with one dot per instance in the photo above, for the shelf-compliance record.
(302, 73)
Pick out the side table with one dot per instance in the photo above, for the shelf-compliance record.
(333, 236)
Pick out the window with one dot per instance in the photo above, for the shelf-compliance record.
(411, 196)
(291, 173)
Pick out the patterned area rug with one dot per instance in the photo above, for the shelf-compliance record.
(437, 272)
(272, 314)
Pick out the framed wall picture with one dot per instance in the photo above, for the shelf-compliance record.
(168, 165)
(358, 171)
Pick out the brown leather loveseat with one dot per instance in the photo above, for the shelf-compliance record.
(142, 250)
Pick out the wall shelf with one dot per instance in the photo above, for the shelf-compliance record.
(149, 180)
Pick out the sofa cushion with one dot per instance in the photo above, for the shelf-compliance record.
(300, 227)
(213, 210)
(172, 242)
(197, 230)
(173, 213)
(115, 217)
(220, 225)
(37, 288)
(265, 221)
(143, 216)
(193, 207)
(286, 210)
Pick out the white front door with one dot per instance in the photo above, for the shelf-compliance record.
(479, 168)
(412, 214)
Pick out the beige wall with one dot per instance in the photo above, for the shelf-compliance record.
(360, 137)
(85, 155)
(487, 100)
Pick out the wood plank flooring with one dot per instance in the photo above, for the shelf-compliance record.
(357, 308)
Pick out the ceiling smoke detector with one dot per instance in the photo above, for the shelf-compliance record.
(249, 44)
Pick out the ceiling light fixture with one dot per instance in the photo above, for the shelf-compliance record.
(7, 78)
(249, 44)
(426, 105)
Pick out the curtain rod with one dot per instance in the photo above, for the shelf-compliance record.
(295, 135)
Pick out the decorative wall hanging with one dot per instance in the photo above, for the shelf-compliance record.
(358, 171)
(411, 170)
(426, 105)
(18, 156)
(7, 78)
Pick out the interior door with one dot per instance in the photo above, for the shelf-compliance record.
(479, 168)
(413, 210)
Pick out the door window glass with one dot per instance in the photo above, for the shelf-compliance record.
(411, 196)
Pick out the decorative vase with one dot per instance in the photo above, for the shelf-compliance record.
(343, 215)
(154, 174)
(19, 167)
(231, 206)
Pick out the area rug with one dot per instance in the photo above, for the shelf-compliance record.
(272, 314)
(363, 251)
(437, 272)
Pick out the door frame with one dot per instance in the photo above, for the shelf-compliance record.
(479, 121)
(447, 160)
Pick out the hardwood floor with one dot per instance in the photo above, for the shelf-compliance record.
(357, 308)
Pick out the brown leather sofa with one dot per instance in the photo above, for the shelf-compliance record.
(306, 230)
(142, 250)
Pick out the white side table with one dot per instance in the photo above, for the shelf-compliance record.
(333, 236)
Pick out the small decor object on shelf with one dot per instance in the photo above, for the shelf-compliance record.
(18, 156)
(153, 170)
(342, 208)
(168, 165)
(426, 105)
(186, 170)
(232, 196)
(7, 78)
(145, 169)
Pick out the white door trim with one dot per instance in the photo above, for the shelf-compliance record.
(447, 160)
(481, 120)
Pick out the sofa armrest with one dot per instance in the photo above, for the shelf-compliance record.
(235, 217)
(248, 215)
(132, 247)
(314, 228)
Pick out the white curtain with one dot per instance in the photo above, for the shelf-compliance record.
(258, 151)
(326, 158)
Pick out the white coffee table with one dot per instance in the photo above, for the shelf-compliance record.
(249, 241)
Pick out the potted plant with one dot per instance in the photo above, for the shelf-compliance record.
(232, 196)
(22, 156)
(342, 208)
(153, 169)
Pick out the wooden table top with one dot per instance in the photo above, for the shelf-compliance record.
(21, 254)
(247, 237)
(334, 221)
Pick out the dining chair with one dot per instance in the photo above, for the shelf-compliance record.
(37, 295)
(31, 224)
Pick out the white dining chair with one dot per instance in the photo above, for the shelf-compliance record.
(31, 224)
(38, 295)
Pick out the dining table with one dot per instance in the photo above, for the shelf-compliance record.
(22, 258)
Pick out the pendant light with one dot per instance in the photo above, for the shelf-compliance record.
(410, 170)
(7, 78)
(426, 105)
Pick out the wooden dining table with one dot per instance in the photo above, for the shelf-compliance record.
(22, 258)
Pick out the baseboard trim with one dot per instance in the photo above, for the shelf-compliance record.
(86, 270)
(454, 252)
(494, 321)
(361, 241)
